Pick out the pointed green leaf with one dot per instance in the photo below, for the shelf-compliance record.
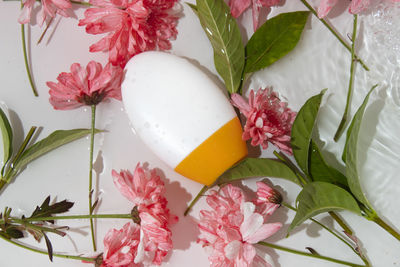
(319, 197)
(321, 171)
(351, 151)
(7, 134)
(46, 210)
(256, 167)
(54, 140)
(224, 34)
(14, 232)
(192, 6)
(49, 246)
(274, 39)
(302, 130)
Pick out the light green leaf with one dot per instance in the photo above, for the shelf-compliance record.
(192, 6)
(223, 32)
(319, 197)
(54, 140)
(7, 134)
(321, 171)
(351, 151)
(274, 39)
(256, 167)
(302, 130)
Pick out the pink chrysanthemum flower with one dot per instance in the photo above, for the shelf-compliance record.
(239, 6)
(268, 119)
(232, 227)
(87, 86)
(49, 9)
(120, 246)
(146, 190)
(132, 26)
(356, 6)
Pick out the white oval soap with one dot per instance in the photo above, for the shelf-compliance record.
(181, 114)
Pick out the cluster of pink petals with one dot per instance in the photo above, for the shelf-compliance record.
(49, 9)
(152, 240)
(132, 26)
(239, 6)
(233, 226)
(268, 119)
(85, 86)
(356, 6)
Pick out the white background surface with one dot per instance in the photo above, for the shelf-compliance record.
(318, 62)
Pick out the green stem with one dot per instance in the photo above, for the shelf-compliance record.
(73, 217)
(342, 224)
(28, 71)
(91, 208)
(290, 164)
(302, 253)
(11, 172)
(347, 46)
(81, 3)
(332, 232)
(46, 253)
(45, 30)
(194, 201)
(387, 227)
(342, 124)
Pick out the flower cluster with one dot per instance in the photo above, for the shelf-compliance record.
(87, 86)
(239, 6)
(268, 119)
(132, 26)
(148, 239)
(234, 225)
(49, 9)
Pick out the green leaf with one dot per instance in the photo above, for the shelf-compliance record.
(256, 167)
(46, 210)
(351, 151)
(14, 232)
(319, 197)
(6, 132)
(53, 141)
(192, 6)
(321, 171)
(49, 247)
(224, 34)
(274, 39)
(302, 130)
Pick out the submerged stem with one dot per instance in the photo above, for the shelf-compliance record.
(194, 201)
(342, 124)
(302, 253)
(91, 208)
(340, 39)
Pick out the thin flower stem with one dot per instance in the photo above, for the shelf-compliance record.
(91, 208)
(72, 257)
(387, 227)
(340, 39)
(290, 164)
(45, 30)
(194, 201)
(287, 205)
(342, 224)
(342, 124)
(11, 172)
(72, 217)
(302, 253)
(81, 3)
(28, 71)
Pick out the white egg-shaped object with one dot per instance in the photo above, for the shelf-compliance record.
(182, 116)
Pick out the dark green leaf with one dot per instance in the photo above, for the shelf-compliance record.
(224, 34)
(46, 210)
(274, 39)
(7, 134)
(319, 197)
(320, 171)
(192, 6)
(256, 167)
(49, 247)
(351, 151)
(302, 130)
(53, 141)
(14, 232)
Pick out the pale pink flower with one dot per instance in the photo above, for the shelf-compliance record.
(239, 6)
(146, 190)
(268, 119)
(120, 246)
(231, 232)
(49, 9)
(132, 26)
(356, 6)
(87, 86)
